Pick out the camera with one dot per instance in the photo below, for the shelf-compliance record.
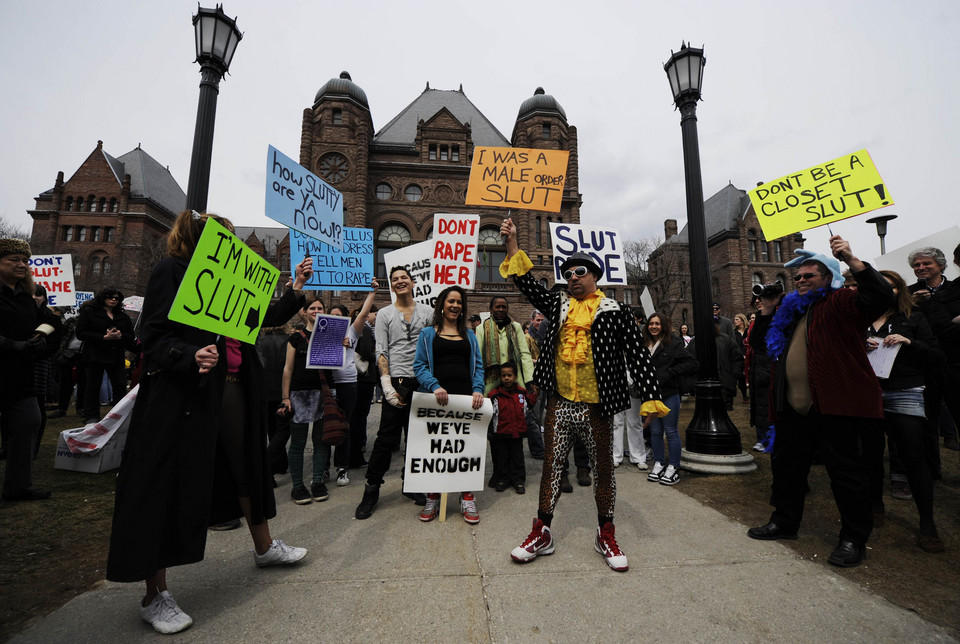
(922, 284)
(768, 290)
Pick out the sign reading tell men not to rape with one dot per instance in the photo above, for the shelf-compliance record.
(446, 446)
(602, 244)
(517, 178)
(301, 200)
(227, 287)
(842, 188)
(347, 269)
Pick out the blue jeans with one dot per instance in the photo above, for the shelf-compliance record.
(667, 425)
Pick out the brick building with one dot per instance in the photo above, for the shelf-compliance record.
(112, 216)
(740, 257)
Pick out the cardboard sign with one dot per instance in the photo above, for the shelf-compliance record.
(346, 269)
(517, 178)
(603, 244)
(326, 350)
(842, 188)
(55, 273)
(301, 200)
(133, 303)
(446, 446)
(227, 287)
(455, 240)
(417, 259)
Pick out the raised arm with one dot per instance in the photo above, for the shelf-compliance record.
(365, 309)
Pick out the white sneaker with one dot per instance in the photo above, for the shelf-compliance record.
(642, 466)
(606, 545)
(670, 476)
(342, 478)
(279, 553)
(164, 614)
(656, 473)
(758, 447)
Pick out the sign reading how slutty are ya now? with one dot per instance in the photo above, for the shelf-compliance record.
(227, 287)
(517, 178)
(842, 188)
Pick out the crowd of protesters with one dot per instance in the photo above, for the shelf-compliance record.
(211, 424)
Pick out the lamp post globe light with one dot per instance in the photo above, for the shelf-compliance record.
(712, 440)
(881, 222)
(217, 37)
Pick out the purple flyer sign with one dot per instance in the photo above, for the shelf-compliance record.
(326, 350)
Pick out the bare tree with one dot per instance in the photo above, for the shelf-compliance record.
(668, 274)
(8, 229)
(636, 253)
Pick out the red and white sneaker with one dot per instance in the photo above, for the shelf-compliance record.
(539, 542)
(429, 512)
(468, 507)
(606, 545)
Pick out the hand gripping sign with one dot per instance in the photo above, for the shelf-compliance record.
(227, 286)
(842, 188)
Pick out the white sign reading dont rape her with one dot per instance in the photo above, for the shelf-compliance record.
(446, 446)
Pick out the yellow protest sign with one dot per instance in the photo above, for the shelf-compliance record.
(227, 286)
(842, 188)
(517, 178)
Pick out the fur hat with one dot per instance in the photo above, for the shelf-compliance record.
(580, 258)
(807, 256)
(9, 246)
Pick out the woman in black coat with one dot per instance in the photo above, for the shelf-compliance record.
(196, 450)
(106, 331)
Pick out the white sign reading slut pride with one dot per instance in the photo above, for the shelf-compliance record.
(603, 244)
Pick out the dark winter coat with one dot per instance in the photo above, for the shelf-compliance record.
(672, 362)
(915, 360)
(174, 479)
(19, 318)
(92, 325)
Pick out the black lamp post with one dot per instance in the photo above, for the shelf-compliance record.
(217, 37)
(711, 431)
(881, 222)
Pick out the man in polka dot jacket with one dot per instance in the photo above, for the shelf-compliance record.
(590, 346)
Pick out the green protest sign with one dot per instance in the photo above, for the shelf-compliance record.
(227, 287)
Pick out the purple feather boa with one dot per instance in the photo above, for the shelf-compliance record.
(792, 308)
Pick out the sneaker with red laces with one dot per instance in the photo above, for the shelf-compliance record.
(468, 507)
(606, 545)
(538, 542)
(429, 512)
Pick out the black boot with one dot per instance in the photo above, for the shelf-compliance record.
(371, 494)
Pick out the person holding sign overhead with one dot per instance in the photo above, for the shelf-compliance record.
(196, 449)
(448, 362)
(398, 327)
(588, 350)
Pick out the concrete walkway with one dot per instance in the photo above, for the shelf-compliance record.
(694, 577)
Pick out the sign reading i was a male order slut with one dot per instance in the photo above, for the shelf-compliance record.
(603, 244)
(227, 287)
(842, 188)
(346, 269)
(54, 273)
(455, 250)
(301, 200)
(446, 445)
(517, 178)
(417, 259)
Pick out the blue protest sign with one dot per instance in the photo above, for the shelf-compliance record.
(301, 200)
(346, 269)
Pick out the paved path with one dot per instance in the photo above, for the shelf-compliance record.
(694, 577)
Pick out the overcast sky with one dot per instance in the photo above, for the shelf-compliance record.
(787, 86)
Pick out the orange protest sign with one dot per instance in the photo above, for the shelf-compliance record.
(517, 178)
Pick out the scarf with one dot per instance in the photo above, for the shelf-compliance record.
(578, 322)
(793, 307)
(491, 347)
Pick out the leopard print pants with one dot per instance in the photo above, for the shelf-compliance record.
(567, 420)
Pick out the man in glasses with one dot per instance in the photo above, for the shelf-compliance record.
(590, 345)
(824, 392)
(398, 328)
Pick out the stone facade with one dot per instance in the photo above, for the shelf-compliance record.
(112, 216)
(740, 257)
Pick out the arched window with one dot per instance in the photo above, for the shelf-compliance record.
(391, 237)
(69, 203)
(102, 206)
(81, 233)
(79, 204)
(95, 233)
(778, 252)
(114, 205)
(77, 270)
(764, 251)
(490, 254)
(752, 244)
(95, 266)
(106, 266)
(93, 203)
(756, 279)
(413, 193)
(68, 233)
(108, 234)
(783, 279)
